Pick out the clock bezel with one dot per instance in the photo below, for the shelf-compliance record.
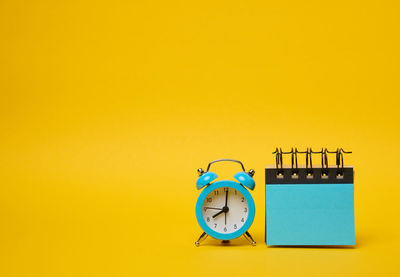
(242, 190)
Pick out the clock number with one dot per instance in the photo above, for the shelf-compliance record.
(208, 219)
(216, 192)
(226, 189)
(225, 229)
(235, 192)
(245, 210)
(242, 220)
(242, 199)
(209, 199)
(215, 225)
(234, 226)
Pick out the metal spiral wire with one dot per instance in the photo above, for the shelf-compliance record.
(309, 165)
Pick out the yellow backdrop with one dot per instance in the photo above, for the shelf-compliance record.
(108, 108)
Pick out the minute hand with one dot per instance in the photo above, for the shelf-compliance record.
(208, 208)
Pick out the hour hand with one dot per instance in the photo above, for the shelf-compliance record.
(217, 214)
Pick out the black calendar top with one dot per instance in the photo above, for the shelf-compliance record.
(316, 175)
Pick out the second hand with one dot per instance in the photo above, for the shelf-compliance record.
(226, 203)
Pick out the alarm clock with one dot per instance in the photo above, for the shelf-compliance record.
(225, 209)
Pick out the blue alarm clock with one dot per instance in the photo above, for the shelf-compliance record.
(225, 209)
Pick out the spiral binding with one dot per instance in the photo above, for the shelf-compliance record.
(309, 166)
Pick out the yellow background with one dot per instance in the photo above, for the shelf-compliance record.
(108, 108)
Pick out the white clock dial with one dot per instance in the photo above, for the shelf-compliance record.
(225, 210)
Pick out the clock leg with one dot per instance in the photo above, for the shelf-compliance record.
(249, 238)
(201, 238)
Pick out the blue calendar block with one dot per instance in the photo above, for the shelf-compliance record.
(310, 209)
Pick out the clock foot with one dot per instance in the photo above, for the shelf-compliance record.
(249, 238)
(201, 238)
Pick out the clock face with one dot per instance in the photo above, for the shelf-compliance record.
(225, 210)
